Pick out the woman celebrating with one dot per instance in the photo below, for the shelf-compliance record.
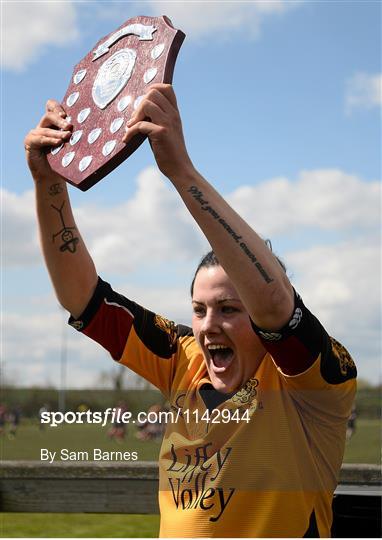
(259, 393)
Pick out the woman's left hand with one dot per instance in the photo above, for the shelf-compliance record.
(157, 116)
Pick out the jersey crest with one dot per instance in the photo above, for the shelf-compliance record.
(345, 361)
(166, 326)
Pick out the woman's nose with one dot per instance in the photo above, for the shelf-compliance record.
(211, 323)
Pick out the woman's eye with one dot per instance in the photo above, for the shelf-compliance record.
(229, 309)
(199, 311)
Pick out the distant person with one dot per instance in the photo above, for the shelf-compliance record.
(153, 428)
(44, 409)
(350, 430)
(14, 417)
(3, 416)
(119, 428)
(268, 471)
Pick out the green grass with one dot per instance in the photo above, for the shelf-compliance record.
(363, 447)
(27, 445)
(365, 444)
(78, 525)
(85, 437)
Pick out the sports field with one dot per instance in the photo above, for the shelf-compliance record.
(363, 447)
(30, 440)
(78, 526)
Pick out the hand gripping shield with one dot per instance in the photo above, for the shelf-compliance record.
(105, 89)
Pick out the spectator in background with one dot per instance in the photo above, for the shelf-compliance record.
(3, 416)
(119, 429)
(350, 430)
(14, 417)
(153, 427)
(45, 408)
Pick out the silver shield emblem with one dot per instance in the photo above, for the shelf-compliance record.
(113, 76)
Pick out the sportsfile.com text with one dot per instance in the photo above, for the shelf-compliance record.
(113, 415)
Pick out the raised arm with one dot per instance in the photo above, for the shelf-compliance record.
(258, 277)
(68, 261)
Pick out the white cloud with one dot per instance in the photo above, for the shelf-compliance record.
(33, 344)
(19, 231)
(340, 279)
(211, 19)
(152, 233)
(174, 303)
(153, 227)
(341, 285)
(30, 27)
(363, 91)
(326, 199)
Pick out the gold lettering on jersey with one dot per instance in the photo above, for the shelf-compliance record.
(344, 358)
(166, 326)
(193, 485)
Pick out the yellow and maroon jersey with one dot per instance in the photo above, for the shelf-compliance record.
(261, 462)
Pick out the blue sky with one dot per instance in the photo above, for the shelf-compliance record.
(281, 105)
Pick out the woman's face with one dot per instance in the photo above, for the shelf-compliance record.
(222, 328)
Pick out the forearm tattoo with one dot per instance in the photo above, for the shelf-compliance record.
(55, 189)
(198, 196)
(69, 240)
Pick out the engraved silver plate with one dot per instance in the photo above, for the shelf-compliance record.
(144, 32)
(82, 115)
(85, 162)
(157, 51)
(76, 136)
(113, 76)
(55, 151)
(123, 103)
(116, 124)
(79, 76)
(93, 135)
(72, 99)
(67, 159)
(137, 101)
(108, 147)
(150, 74)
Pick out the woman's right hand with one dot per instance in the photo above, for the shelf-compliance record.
(52, 130)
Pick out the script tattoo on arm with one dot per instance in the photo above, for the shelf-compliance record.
(69, 240)
(206, 207)
(55, 189)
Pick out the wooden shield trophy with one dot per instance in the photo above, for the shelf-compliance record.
(105, 89)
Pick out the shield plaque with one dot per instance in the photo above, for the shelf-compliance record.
(105, 89)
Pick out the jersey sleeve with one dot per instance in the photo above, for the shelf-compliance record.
(142, 340)
(303, 340)
(315, 369)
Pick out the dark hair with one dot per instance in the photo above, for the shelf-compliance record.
(210, 259)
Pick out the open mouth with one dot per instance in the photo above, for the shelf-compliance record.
(221, 356)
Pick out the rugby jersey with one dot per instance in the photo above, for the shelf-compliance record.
(270, 471)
